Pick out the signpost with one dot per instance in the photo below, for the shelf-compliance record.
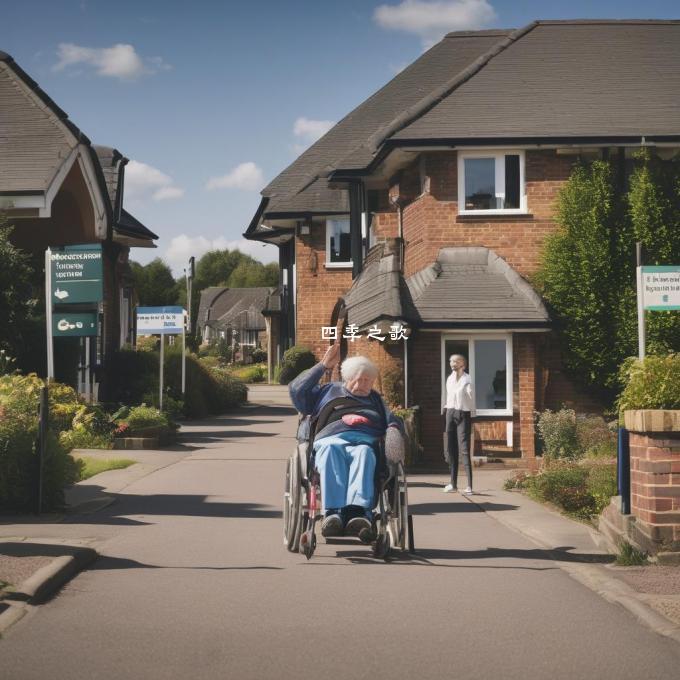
(658, 289)
(73, 291)
(164, 321)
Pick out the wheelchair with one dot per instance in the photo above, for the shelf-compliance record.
(393, 525)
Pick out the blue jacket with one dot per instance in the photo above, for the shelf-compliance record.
(309, 398)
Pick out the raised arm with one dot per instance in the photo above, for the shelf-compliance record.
(304, 390)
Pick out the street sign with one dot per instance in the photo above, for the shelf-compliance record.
(77, 274)
(160, 320)
(77, 325)
(661, 287)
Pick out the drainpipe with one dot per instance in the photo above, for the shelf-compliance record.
(405, 373)
(355, 228)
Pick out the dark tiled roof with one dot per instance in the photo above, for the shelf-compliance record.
(130, 225)
(112, 163)
(465, 286)
(241, 307)
(379, 292)
(473, 284)
(430, 71)
(567, 79)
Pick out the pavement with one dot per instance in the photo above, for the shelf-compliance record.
(40, 555)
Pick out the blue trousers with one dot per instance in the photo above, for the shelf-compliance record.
(346, 465)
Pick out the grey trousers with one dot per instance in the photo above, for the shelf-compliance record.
(458, 430)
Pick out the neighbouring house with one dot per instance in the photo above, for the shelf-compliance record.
(58, 189)
(239, 315)
(428, 205)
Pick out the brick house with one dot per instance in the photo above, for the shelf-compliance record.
(428, 206)
(59, 189)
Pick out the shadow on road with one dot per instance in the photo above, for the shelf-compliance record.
(452, 507)
(432, 557)
(111, 563)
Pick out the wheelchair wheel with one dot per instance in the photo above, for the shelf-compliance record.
(398, 501)
(292, 505)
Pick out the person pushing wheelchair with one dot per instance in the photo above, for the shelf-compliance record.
(345, 449)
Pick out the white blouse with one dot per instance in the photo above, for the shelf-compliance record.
(459, 392)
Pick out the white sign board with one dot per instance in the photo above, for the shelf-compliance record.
(661, 288)
(160, 320)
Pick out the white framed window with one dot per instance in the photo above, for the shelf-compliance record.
(338, 243)
(491, 182)
(489, 359)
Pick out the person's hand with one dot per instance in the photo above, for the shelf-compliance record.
(332, 356)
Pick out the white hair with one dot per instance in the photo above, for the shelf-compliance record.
(353, 366)
(459, 356)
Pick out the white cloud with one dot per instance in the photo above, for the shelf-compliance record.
(182, 247)
(308, 131)
(143, 181)
(432, 19)
(120, 61)
(246, 176)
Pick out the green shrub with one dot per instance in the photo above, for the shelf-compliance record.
(19, 399)
(582, 490)
(259, 356)
(251, 374)
(595, 438)
(393, 387)
(295, 360)
(131, 376)
(142, 417)
(558, 431)
(653, 383)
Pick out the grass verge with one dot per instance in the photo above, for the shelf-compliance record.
(89, 466)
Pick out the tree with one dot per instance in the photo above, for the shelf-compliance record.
(253, 274)
(587, 273)
(16, 301)
(154, 283)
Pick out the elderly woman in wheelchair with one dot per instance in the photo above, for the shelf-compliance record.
(350, 429)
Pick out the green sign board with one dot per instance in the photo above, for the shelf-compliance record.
(77, 274)
(76, 325)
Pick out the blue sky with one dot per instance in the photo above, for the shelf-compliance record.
(211, 100)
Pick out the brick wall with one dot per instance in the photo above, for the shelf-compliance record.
(655, 489)
(318, 288)
(431, 220)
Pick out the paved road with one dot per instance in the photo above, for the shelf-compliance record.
(195, 583)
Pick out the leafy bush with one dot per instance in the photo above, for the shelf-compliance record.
(295, 360)
(653, 383)
(142, 417)
(258, 355)
(148, 343)
(558, 431)
(393, 387)
(19, 399)
(131, 376)
(595, 438)
(582, 490)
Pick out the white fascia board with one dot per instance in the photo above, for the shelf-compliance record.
(90, 177)
(57, 181)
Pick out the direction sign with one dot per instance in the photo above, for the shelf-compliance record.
(80, 325)
(77, 274)
(160, 320)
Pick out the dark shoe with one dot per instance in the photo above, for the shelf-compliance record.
(331, 526)
(357, 525)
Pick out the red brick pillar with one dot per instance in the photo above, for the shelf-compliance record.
(525, 357)
(655, 479)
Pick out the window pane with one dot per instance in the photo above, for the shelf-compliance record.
(511, 181)
(480, 183)
(490, 374)
(339, 241)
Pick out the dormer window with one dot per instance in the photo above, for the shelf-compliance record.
(338, 243)
(491, 182)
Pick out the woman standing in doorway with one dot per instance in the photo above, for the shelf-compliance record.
(459, 405)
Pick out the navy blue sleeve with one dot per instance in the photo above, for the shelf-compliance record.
(305, 389)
